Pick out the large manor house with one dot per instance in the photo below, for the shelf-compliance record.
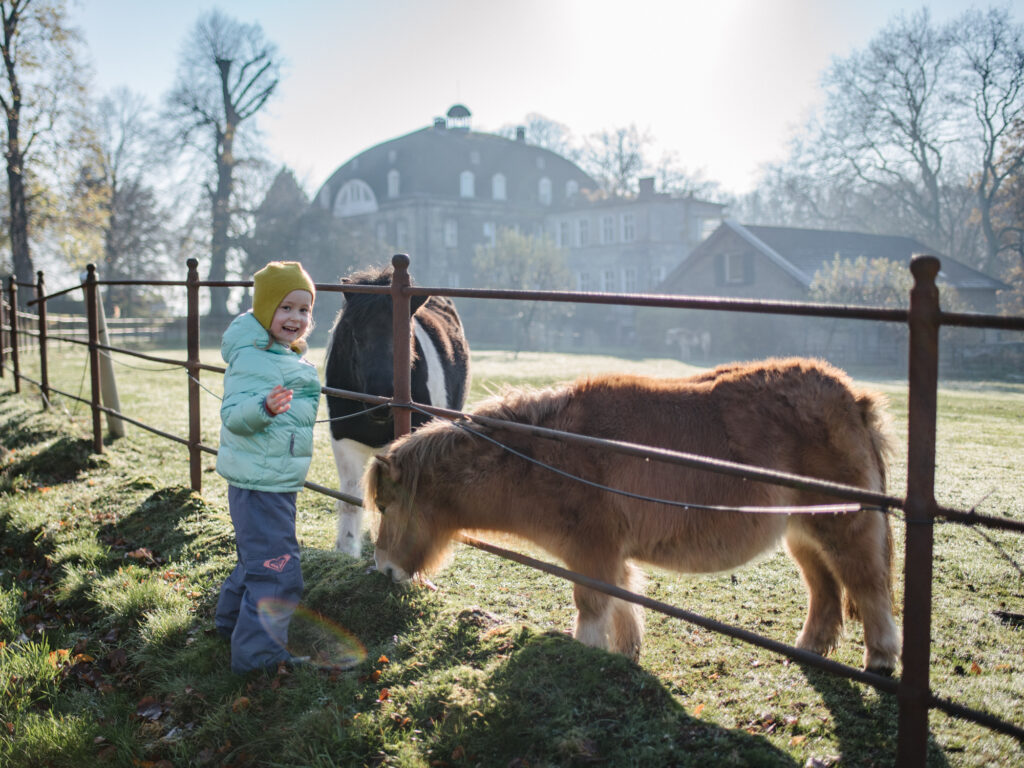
(439, 192)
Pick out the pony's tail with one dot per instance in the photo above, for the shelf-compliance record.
(878, 423)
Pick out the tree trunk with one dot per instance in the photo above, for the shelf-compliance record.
(24, 270)
(224, 148)
(219, 233)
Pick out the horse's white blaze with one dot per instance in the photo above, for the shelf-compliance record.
(434, 370)
(350, 458)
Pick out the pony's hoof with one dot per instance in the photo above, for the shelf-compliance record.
(884, 669)
(349, 546)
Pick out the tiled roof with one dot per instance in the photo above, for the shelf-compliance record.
(801, 252)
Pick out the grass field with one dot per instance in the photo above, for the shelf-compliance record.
(109, 568)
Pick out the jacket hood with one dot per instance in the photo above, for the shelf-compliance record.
(245, 331)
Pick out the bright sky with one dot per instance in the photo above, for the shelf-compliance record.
(721, 84)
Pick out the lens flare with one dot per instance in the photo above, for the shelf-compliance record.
(311, 634)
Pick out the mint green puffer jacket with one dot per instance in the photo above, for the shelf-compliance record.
(259, 451)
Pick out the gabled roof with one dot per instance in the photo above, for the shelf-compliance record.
(802, 252)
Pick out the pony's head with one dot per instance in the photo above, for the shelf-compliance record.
(410, 539)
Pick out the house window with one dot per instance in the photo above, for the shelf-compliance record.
(572, 188)
(583, 281)
(392, 183)
(466, 184)
(544, 191)
(490, 233)
(657, 276)
(629, 280)
(607, 229)
(583, 232)
(474, 157)
(498, 186)
(401, 235)
(563, 234)
(382, 232)
(735, 268)
(354, 198)
(392, 155)
(453, 279)
(628, 228)
(707, 226)
(451, 233)
(609, 280)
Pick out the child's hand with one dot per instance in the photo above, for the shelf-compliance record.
(278, 401)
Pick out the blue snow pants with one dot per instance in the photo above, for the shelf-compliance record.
(259, 597)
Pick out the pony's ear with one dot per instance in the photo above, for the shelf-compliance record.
(384, 465)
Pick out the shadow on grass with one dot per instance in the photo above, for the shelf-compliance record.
(60, 462)
(545, 699)
(865, 723)
(174, 524)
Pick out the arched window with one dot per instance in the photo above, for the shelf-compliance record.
(572, 188)
(354, 198)
(544, 191)
(393, 179)
(498, 186)
(466, 184)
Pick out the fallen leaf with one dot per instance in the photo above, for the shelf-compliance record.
(240, 704)
(385, 694)
(797, 740)
(975, 668)
(383, 659)
(697, 710)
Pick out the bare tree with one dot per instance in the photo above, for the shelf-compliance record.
(135, 230)
(617, 158)
(886, 119)
(990, 59)
(39, 85)
(227, 72)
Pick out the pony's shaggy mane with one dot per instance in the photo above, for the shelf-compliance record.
(439, 439)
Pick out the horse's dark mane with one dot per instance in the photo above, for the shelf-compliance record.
(371, 276)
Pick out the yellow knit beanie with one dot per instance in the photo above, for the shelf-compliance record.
(272, 283)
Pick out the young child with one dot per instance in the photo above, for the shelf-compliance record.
(271, 395)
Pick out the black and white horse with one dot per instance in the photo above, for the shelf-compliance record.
(360, 359)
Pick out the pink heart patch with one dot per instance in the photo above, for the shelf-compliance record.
(277, 563)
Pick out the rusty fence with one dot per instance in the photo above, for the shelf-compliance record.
(924, 318)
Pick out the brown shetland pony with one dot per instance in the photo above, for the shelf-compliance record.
(795, 415)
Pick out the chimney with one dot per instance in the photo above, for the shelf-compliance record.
(440, 124)
(521, 133)
(646, 186)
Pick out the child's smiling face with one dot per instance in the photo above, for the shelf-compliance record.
(292, 317)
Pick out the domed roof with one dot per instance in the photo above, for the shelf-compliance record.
(458, 110)
(429, 163)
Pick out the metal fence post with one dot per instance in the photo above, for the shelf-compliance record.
(92, 317)
(195, 455)
(913, 692)
(402, 330)
(44, 378)
(12, 298)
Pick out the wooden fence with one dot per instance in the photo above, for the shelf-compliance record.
(924, 319)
